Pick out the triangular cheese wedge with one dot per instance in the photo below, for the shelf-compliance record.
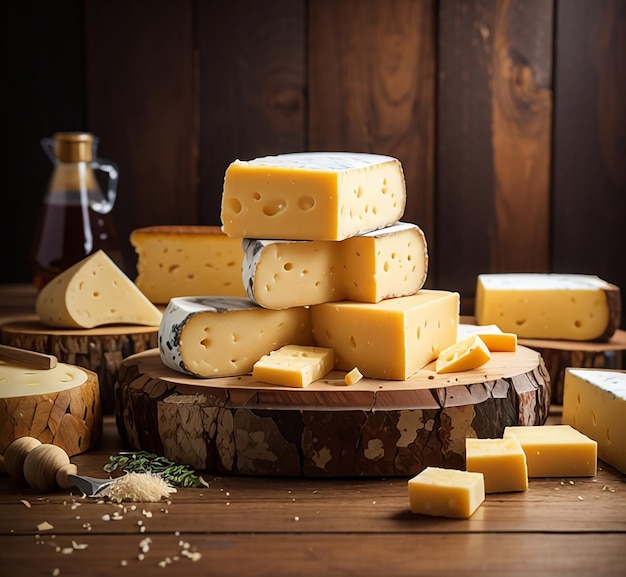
(94, 292)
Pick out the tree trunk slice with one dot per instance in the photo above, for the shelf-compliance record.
(234, 425)
(70, 418)
(100, 350)
(558, 355)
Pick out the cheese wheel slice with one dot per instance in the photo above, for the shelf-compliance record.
(225, 336)
(368, 268)
(94, 292)
(294, 366)
(492, 336)
(549, 306)
(469, 353)
(312, 195)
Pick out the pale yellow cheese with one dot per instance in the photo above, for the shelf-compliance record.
(175, 261)
(94, 292)
(594, 402)
(294, 366)
(312, 195)
(549, 306)
(501, 461)
(369, 268)
(18, 381)
(492, 336)
(446, 492)
(391, 339)
(225, 336)
(470, 353)
(353, 376)
(556, 450)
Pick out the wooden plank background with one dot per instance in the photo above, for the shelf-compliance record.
(508, 116)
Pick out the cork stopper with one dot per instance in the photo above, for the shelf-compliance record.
(74, 146)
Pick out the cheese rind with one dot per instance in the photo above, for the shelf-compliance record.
(594, 402)
(469, 353)
(175, 261)
(446, 492)
(312, 195)
(92, 293)
(225, 336)
(391, 339)
(501, 461)
(368, 268)
(556, 450)
(294, 366)
(549, 306)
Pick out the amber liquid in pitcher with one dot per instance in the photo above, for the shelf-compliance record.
(67, 233)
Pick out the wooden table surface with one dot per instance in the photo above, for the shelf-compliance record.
(298, 526)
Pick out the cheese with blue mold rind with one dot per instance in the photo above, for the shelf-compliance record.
(225, 336)
(312, 195)
(382, 264)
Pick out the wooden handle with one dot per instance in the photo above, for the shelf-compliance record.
(28, 358)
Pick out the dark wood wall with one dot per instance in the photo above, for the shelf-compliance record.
(509, 116)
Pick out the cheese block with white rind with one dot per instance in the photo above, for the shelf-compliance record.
(549, 306)
(594, 403)
(368, 268)
(225, 336)
(60, 406)
(391, 339)
(92, 293)
(312, 195)
(175, 261)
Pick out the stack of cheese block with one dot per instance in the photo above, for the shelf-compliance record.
(333, 278)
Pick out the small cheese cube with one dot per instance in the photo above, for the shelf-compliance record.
(446, 492)
(294, 366)
(501, 461)
(391, 339)
(470, 353)
(594, 402)
(353, 376)
(312, 195)
(556, 450)
(549, 306)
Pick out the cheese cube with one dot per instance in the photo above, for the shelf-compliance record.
(225, 336)
(391, 339)
(368, 268)
(92, 293)
(174, 261)
(312, 195)
(556, 450)
(470, 353)
(492, 336)
(353, 376)
(294, 366)
(446, 492)
(501, 461)
(594, 402)
(549, 306)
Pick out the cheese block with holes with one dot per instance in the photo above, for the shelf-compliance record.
(92, 293)
(549, 306)
(368, 268)
(175, 261)
(294, 366)
(312, 195)
(468, 353)
(391, 339)
(225, 336)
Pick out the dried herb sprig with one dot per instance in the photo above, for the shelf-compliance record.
(144, 462)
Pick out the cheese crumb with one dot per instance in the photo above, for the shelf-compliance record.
(45, 526)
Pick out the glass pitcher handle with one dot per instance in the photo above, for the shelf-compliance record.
(106, 205)
(48, 146)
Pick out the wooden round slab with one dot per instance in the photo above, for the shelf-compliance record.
(100, 350)
(234, 425)
(558, 355)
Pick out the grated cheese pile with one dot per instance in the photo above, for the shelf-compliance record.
(138, 487)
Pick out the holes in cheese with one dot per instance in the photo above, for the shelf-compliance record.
(469, 353)
(175, 261)
(594, 403)
(501, 461)
(92, 293)
(367, 268)
(549, 306)
(446, 492)
(312, 195)
(294, 366)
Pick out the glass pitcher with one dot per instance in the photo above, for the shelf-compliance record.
(75, 218)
